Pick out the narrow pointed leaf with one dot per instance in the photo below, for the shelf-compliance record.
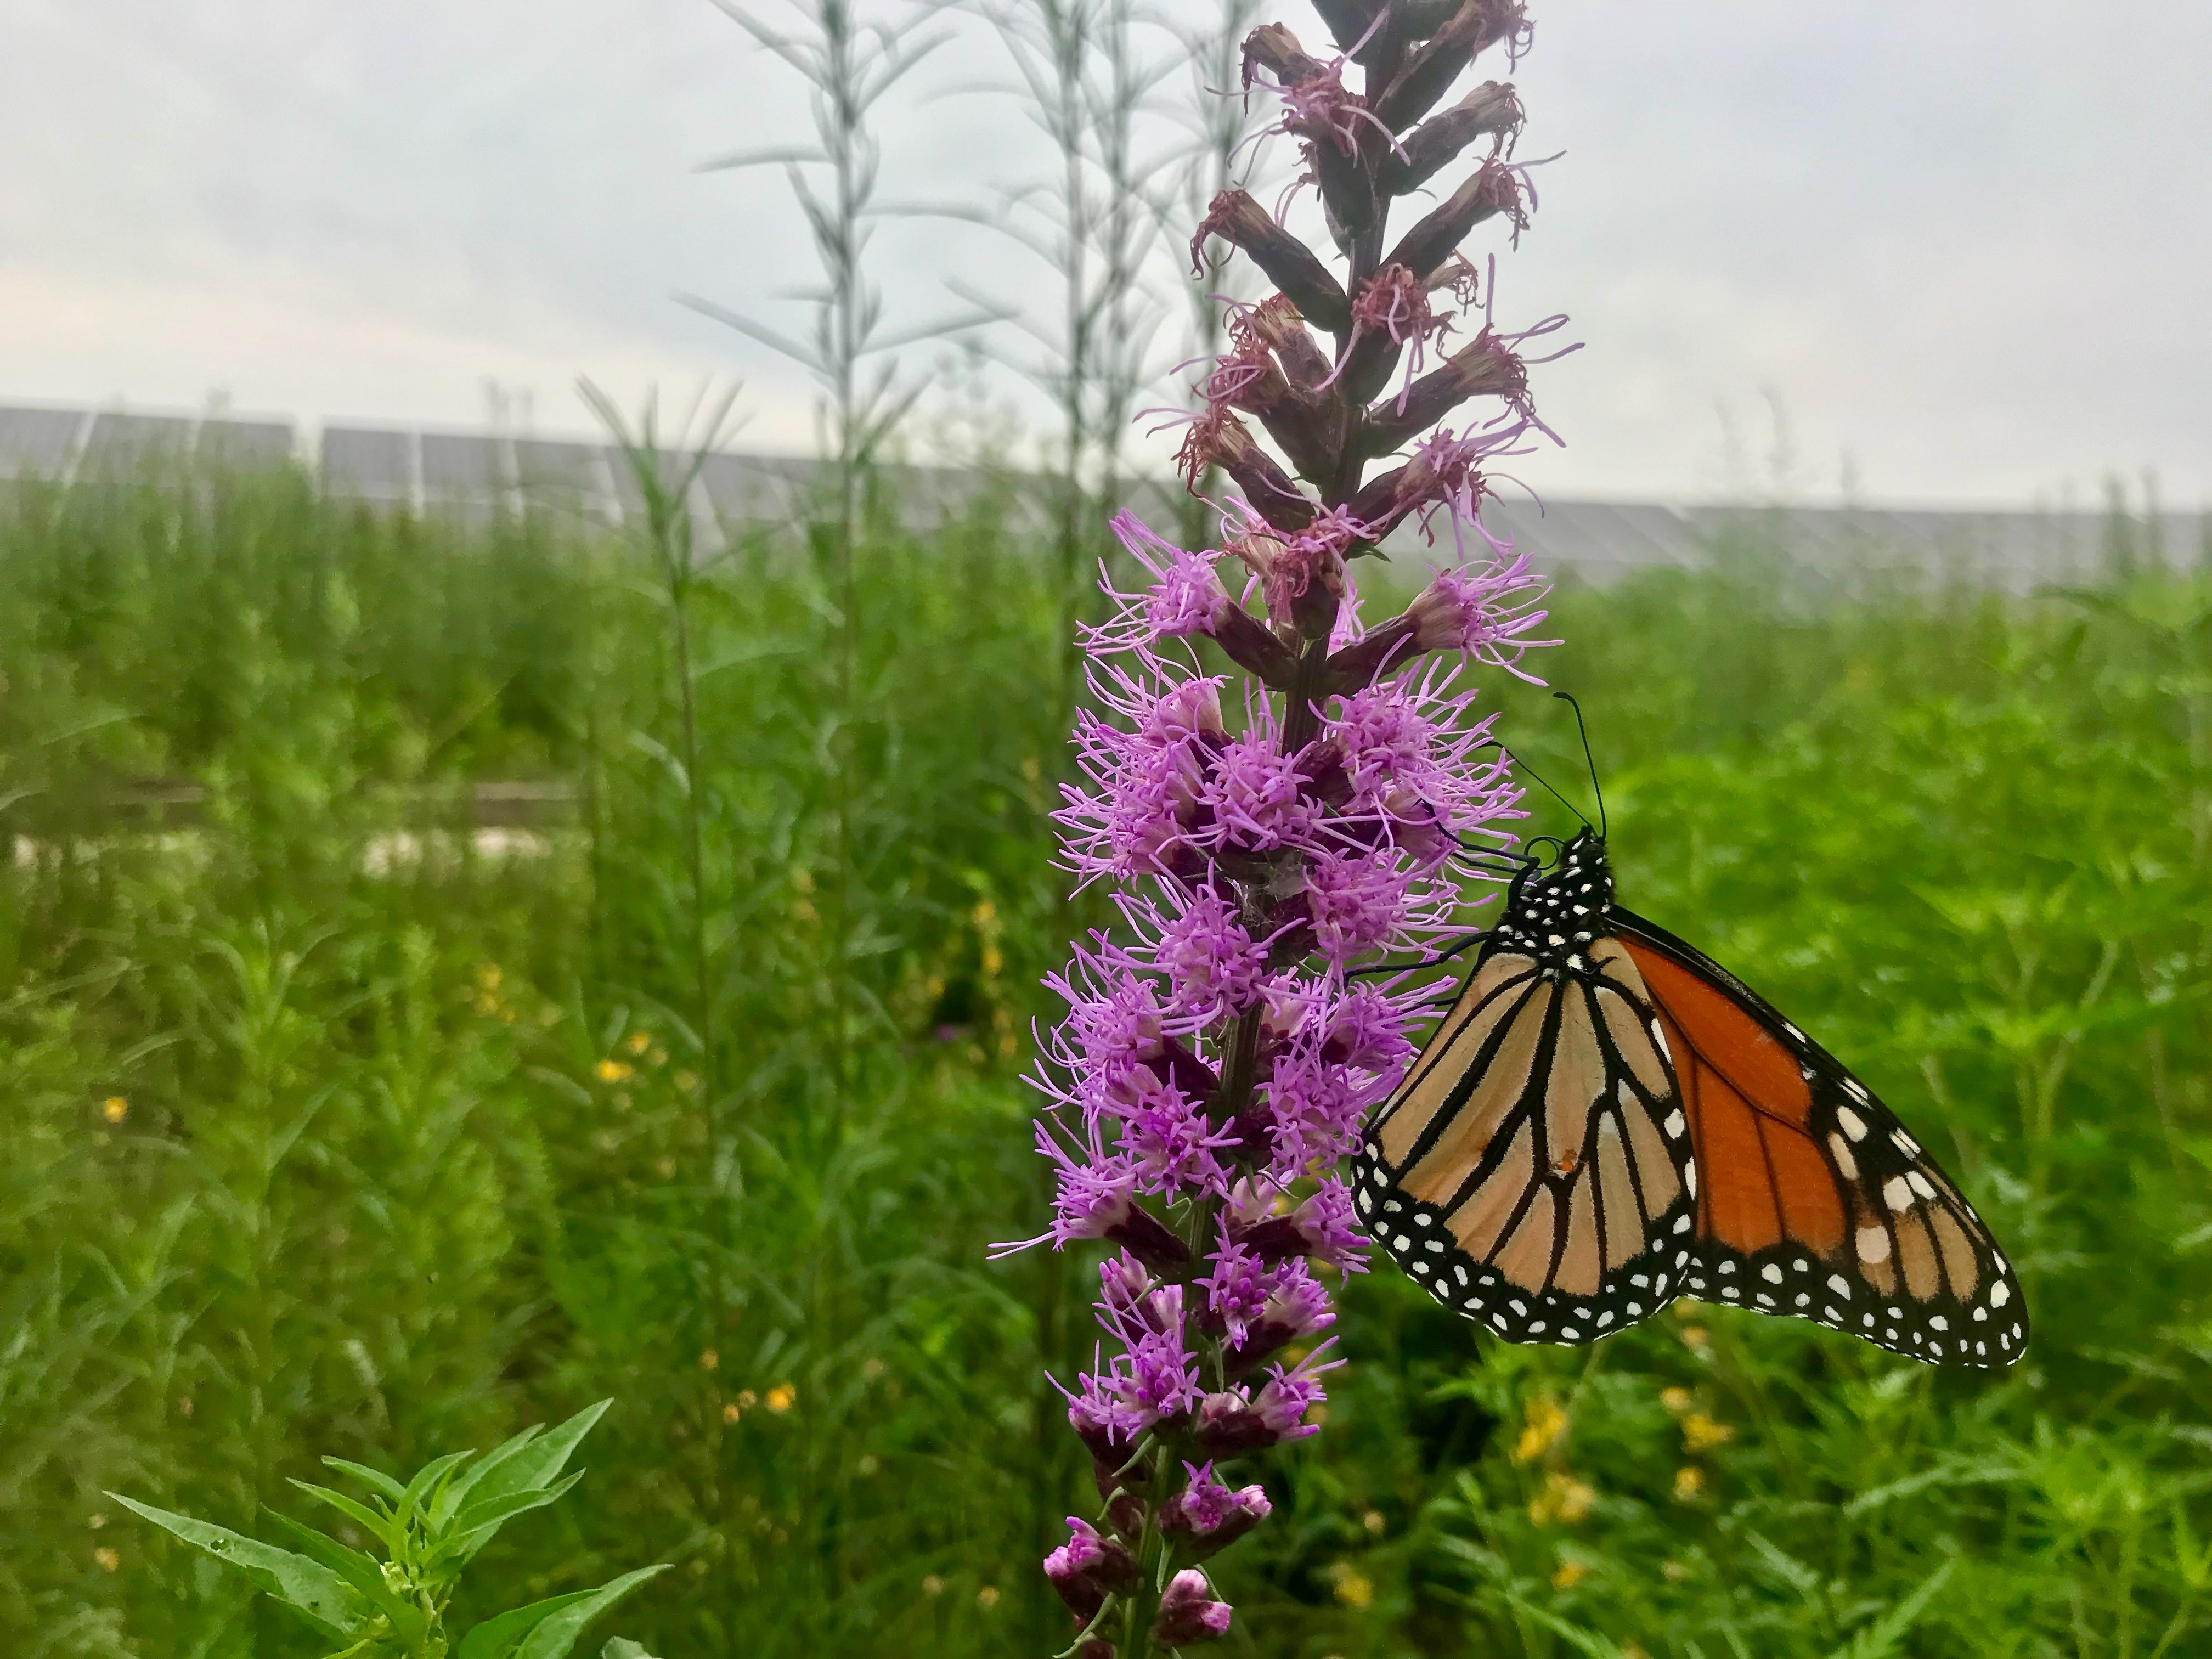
(361, 1472)
(425, 1479)
(554, 1638)
(461, 1485)
(474, 1526)
(495, 1637)
(380, 1526)
(359, 1571)
(540, 1460)
(309, 1588)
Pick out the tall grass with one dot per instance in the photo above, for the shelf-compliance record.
(312, 1152)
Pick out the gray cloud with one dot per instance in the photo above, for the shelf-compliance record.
(1962, 244)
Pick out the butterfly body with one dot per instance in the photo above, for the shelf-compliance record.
(1605, 1119)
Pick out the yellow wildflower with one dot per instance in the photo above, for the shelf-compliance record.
(1031, 769)
(1373, 1521)
(994, 963)
(657, 1057)
(988, 1597)
(932, 1584)
(1563, 1498)
(666, 1168)
(805, 910)
(747, 1398)
(1694, 1336)
(1700, 1433)
(109, 1559)
(781, 1398)
(1354, 1588)
(803, 879)
(115, 1108)
(872, 1368)
(1689, 1481)
(488, 975)
(550, 1015)
(611, 1071)
(1672, 1571)
(1570, 1573)
(1545, 1421)
(686, 1081)
(96, 1520)
(730, 1411)
(638, 1041)
(709, 1360)
(986, 913)
(868, 1465)
(1677, 1400)
(184, 1404)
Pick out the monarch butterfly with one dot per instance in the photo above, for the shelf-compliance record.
(1606, 1118)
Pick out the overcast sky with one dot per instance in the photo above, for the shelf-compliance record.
(1962, 245)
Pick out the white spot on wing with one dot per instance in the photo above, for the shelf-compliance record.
(1842, 1153)
(1674, 1124)
(1896, 1193)
(1873, 1244)
(1854, 1125)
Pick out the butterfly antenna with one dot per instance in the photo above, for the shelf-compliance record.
(1588, 759)
(1521, 765)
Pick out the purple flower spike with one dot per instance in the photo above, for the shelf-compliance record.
(1275, 794)
(1188, 1614)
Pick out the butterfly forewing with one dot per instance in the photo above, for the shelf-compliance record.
(1535, 1171)
(1817, 1201)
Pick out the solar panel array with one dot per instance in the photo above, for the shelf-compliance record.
(480, 473)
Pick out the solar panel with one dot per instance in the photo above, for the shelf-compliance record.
(372, 463)
(542, 465)
(38, 443)
(462, 466)
(121, 443)
(246, 443)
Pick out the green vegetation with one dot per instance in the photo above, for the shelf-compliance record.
(333, 1131)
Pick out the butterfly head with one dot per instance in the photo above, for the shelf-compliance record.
(1554, 910)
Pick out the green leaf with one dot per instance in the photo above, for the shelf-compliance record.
(458, 1489)
(621, 1647)
(359, 1571)
(425, 1479)
(376, 1478)
(496, 1636)
(1880, 1639)
(538, 1462)
(472, 1528)
(380, 1526)
(554, 1638)
(309, 1588)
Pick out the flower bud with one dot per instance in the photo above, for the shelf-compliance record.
(1206, 1517)
(1494, 189)
(1289, 263)
(1492, 108)
(1189, 1613)
(1088, 1567)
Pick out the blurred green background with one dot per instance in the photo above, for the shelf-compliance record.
(333, 1127)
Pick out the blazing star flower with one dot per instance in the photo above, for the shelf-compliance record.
(1270, 837)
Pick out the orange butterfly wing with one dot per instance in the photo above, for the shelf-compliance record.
(1814, 1200)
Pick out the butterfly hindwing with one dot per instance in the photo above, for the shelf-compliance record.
(1817, 1201)
(1534, 1171)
